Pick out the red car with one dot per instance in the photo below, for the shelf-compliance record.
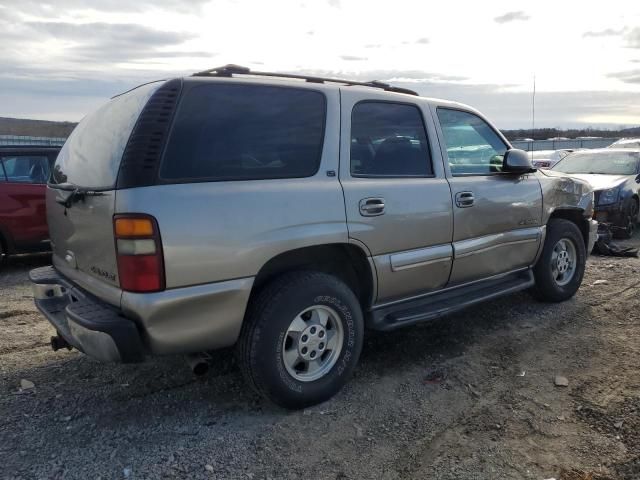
(24, 172)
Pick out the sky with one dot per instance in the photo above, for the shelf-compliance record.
(61, 59)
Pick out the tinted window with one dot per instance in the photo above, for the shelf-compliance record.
(473, 147)
(388, 139)
(91, 155)
(245, 132)
(606, 163)
(26, 168)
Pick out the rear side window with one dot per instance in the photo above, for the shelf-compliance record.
(26, 168)
(388, 139)
(245, 132)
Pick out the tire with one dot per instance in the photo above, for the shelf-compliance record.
(268, 344)
(551, 283)
(631, 215)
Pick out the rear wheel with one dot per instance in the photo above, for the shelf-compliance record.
(560, 268)
(301, 339)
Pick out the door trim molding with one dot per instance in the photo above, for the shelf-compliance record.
(420, 257)
(472, 246)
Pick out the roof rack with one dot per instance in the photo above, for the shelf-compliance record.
(230, 70)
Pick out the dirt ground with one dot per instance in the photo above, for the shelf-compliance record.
(470, 396)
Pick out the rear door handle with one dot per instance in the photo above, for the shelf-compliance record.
(464, 199)
(371, 207)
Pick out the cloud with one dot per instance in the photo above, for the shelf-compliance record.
(509, 109)
(607, 32)
(512, 17)
(633, 38)
(352, 58)
(422, 41)
(629, 76)
(113, 42)
(409, 77)
(39, 7)
(372, 45)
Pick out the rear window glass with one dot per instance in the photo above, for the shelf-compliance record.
(245, 132)
(91, 155)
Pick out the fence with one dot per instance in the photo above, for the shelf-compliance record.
(560, 144)
(16, 140)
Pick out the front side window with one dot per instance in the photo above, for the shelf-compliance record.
(473, 147)
(26, 168)
(245, 132)
(389, 139)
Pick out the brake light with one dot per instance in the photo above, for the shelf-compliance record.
(139, 253)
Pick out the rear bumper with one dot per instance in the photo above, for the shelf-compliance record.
(85, 322)
(180, 320)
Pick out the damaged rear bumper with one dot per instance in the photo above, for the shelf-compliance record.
(86, 323)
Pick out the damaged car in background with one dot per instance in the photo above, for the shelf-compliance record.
(615, 177)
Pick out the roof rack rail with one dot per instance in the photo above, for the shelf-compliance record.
(230, 70)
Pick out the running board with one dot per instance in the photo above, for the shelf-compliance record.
(441, 303)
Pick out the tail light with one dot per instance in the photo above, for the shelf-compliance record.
(139, 252)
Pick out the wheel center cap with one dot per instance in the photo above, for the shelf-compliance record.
(563, 262)
(312, 342)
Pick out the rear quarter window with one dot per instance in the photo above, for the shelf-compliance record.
(245, 132)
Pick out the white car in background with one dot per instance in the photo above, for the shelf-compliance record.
(548, 158)
(626, 143)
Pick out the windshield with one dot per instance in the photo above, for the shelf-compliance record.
(606, 163)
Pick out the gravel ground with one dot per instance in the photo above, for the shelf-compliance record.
(470, 396)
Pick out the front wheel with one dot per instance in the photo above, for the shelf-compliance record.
(302, 338)
(560, 268)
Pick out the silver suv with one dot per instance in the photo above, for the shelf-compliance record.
(285, 215)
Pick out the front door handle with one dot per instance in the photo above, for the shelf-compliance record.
(464, 199)
(371, 207)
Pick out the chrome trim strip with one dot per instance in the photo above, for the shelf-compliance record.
(420, 257)
(472, 246)
(504, 244)
(440, 290)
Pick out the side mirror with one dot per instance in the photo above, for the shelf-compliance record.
(517, 161)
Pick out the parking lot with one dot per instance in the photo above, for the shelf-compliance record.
(469, 396)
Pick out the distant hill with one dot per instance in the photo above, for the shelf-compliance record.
(35, 128)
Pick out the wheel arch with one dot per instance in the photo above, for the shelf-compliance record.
(347, 261)
(576, 216)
